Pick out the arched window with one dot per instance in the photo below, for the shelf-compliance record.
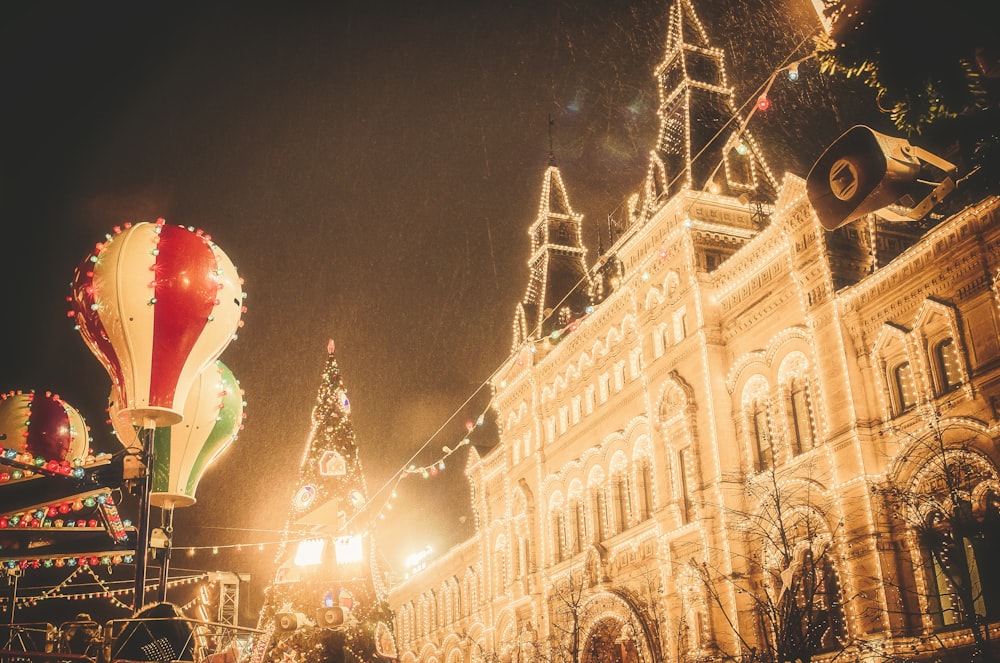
(799, 568)
(817, 582)
(692, 613)
(644, 474)
(953, 508)
(558, 535)
(444, 607)
(603, 387)
(755, 422)
(456, 595)
(621, 501)
(422, 616)
(432, 617)
(619, 376)
(961, 541)
(680, 325)
(963, 556)
(801, 415)
(600, 514)
(761, 436)
(903, 389)
(500, 562)
(658, 342)
(579, 516)
(946, 366)
(470, 590)
(401, 624)
(550, 429)
(684, 484)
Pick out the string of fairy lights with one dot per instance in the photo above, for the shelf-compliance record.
(86, 576)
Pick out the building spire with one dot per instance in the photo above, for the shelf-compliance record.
(558, 281)
(699, 141)
(552, 153)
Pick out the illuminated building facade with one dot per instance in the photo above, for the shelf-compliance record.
(732, 414)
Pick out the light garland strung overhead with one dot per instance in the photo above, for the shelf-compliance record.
(57, 592)
(763, 101)
(238, 547)
(429, 470)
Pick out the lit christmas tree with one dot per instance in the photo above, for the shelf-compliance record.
(328, 599)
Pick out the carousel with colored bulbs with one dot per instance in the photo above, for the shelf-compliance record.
(156, 304)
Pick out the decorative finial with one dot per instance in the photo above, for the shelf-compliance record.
(329, 347)
(552, 154)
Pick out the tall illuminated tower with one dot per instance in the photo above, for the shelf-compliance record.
(327, 600)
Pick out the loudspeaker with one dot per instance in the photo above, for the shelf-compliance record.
(864, 171)
(330, 617)
(285, 622)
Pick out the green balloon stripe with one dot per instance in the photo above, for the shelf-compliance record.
(161, 460)
(227, 426)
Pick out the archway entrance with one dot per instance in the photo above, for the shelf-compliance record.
(610, 642)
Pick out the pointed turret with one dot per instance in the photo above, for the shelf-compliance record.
(702, 141)
(327, 572)
(558, 281)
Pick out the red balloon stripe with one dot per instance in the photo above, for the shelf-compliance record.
(156, 303)
(48, 435)
(185, 296)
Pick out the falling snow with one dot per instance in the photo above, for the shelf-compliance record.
(372, 171)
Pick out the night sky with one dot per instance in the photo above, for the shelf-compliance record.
(371, 168)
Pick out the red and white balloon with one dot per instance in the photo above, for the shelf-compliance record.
(156, 304)
(43, 426)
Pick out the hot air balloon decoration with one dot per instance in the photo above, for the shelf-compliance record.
(213, 417)
(156, 304)
(43, 430)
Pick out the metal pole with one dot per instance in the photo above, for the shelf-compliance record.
(142, 535)
(168, 528)
(12, 577)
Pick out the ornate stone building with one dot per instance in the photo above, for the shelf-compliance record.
(736, 434)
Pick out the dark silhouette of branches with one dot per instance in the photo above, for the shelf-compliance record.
(945, 498)
(787, 591)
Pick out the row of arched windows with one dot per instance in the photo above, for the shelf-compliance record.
(921, 364)
(779, 422)
(433, 610)
(566, 416)
(603, 510)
